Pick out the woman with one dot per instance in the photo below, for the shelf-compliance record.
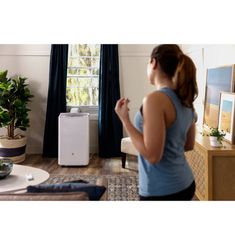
(165, 126)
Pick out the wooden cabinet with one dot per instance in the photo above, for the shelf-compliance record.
(214, 169)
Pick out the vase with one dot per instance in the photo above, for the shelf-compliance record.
(214, 142)
(6, 166)
(13, 149)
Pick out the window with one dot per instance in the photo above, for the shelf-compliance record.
(83, 75)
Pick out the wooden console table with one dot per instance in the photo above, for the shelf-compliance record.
(214, 169)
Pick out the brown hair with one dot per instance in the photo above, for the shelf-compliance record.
(180, 69)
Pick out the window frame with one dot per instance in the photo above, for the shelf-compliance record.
(92, 109)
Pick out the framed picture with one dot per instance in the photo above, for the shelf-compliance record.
(226, 115)
(219, 79)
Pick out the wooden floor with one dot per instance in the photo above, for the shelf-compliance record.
(96, 166)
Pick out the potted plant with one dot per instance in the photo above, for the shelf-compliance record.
(216, 137)
(14, 97)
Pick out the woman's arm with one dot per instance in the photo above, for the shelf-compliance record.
(150, 144)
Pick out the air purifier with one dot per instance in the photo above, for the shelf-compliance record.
(73, 139)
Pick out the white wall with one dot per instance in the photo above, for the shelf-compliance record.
(133, 59)
(207, 56)
(31, 61)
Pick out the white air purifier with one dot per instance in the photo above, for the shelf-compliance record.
(73, 139)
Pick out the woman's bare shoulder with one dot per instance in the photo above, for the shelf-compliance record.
(155, 97)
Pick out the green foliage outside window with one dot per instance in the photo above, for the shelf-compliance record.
(83, 75)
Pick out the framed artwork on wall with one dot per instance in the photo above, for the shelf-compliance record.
(226, 115)
(219, 79)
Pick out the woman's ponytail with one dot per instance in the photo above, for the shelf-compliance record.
(184, 81)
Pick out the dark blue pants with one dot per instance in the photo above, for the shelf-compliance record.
(184, 195)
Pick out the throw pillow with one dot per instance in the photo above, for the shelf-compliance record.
(94, 192)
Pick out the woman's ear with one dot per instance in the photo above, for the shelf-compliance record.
(154, 63)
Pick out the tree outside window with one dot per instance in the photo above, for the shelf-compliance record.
(83, 75)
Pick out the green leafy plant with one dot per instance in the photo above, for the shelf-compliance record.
(14, 97)
(218, 134)
(214, 132)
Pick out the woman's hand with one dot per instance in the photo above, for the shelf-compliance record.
(122, 109)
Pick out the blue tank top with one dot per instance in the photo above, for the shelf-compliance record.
(172, 173)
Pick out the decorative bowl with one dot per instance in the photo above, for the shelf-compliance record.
(6, 166)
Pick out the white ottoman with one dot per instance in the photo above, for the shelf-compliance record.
(127, 148)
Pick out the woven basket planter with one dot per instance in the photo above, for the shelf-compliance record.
(13, 149)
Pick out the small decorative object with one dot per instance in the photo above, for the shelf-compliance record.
(218, 79)
(14, 97)
(226, 115)
(216, 137)
(6, 166)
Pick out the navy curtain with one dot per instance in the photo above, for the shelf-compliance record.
(56, 101)
(110, 127)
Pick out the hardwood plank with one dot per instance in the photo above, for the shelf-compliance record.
(96, 166)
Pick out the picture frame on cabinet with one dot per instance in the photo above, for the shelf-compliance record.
(226, 116)
(218, 79)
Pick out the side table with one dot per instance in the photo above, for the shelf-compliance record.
(17, 179)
